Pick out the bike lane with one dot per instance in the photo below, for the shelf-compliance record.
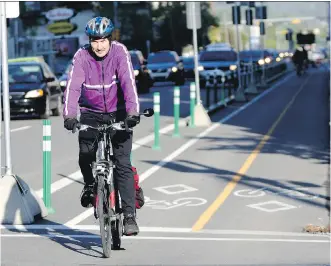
(283, 185)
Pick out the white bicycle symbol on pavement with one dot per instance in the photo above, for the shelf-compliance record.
(166, 205)
(293, 193)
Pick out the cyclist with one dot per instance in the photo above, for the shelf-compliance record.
(300, 58)
(102, 82)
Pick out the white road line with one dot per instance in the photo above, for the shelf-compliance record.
(188, 144)
(88, 227)
(143, 141)
(168, 238)
(176, 230)
(63, 182)
(81, 217)
(20, 128)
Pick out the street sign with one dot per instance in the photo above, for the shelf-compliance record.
(12, 9)
(59, 14)
(61, 27)
(190, 16)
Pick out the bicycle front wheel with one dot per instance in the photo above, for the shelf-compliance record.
(103, 214)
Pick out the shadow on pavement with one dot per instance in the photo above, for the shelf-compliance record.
(304, 130)
(78, 241)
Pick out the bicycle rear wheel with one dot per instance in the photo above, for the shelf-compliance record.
(117, 226)
(103, 214)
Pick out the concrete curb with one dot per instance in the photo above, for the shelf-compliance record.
(19, 204)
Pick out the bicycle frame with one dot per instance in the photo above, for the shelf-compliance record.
(102, 170)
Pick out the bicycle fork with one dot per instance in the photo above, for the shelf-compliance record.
(103, 172)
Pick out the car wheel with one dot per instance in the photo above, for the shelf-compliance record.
(47, 112)
(58, 110)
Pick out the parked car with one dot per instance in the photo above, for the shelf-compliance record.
(166, 66)
(143, 79)
(33, 88)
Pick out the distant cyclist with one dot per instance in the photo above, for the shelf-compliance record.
(300, 59)
(101, 82)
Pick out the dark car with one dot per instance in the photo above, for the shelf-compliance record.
(188, 63)
(33, 88)
(216, 60)
(257, 57)
(166, 66)
(143, 79)
(63, 78)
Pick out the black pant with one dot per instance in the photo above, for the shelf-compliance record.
(122, 145)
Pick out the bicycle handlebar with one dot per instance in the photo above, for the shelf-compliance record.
(117, 126)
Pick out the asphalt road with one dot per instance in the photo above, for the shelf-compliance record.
(237, 193)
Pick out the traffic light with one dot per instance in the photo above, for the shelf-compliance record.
(261, 12)
(262, 28)
(288, 36)
(236, 15)
(249, 17)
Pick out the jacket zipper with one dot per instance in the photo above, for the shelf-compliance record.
(103, 87)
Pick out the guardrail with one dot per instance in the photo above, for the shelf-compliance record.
(222, 86)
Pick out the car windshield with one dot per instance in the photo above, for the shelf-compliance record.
(161, 58)
(218, 56)
(24, 74)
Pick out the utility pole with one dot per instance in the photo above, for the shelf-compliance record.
(115, 5)
(5, 87)
(1, 97)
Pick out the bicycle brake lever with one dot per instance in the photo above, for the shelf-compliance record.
(126, 126)
(77, 126)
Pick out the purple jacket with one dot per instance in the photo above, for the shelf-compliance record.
(93, 84)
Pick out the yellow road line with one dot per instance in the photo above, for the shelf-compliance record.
(207, 215)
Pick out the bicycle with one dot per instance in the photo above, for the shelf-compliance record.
(107, 204)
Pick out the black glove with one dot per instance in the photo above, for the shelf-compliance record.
(71, 124)
(132, 120)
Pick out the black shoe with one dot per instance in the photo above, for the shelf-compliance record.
(130, 225)
(87, 196)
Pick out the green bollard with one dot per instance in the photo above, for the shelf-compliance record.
(176, 111)
(47, 169)
(156, 145)
(192, 103)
